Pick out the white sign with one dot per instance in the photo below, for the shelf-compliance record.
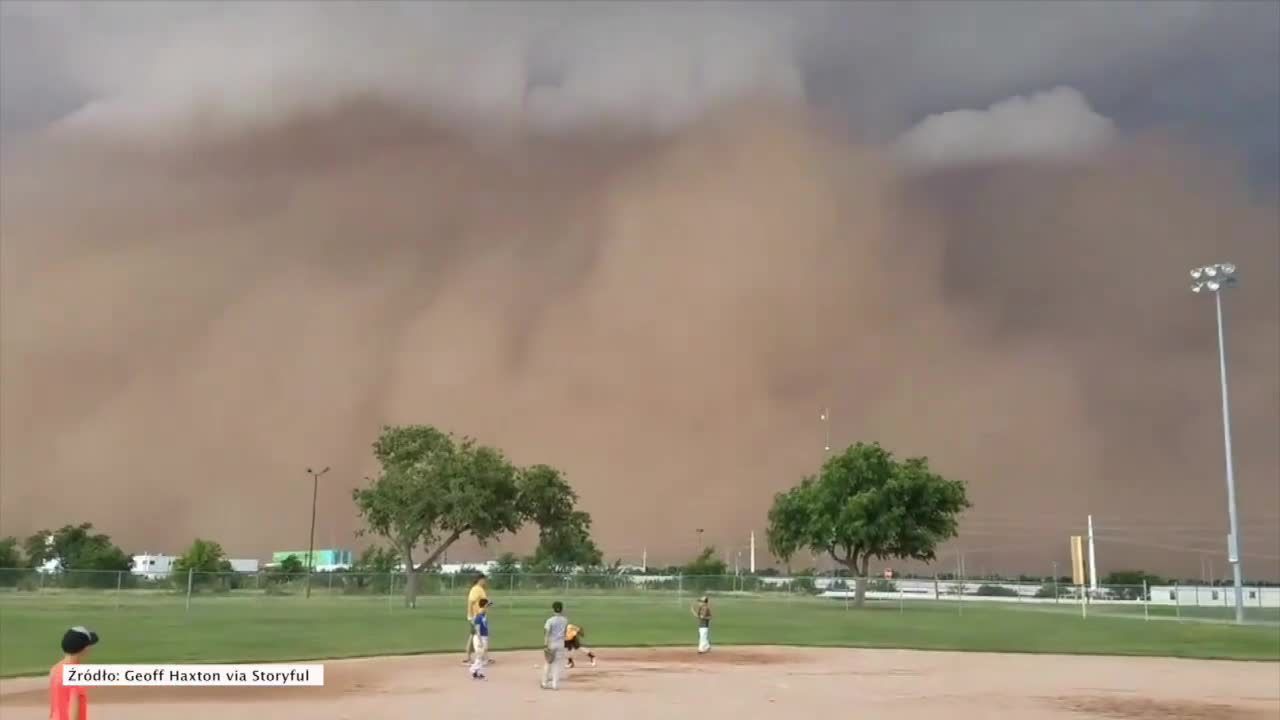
(272, 675)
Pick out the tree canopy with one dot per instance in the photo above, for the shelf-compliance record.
(863, 504)
(10, 556)
(564, 533)
(434, 489)
(203, 556)
(705, 564)
(75, 547)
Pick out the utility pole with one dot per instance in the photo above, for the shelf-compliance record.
(311, 543)
(1093, 561)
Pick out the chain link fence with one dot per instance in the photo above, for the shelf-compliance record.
(1175, 601)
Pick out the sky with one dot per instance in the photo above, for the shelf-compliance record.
(647, 243)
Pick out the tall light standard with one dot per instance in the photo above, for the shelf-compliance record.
(311, 544)
(825, 417)
(1214, 279)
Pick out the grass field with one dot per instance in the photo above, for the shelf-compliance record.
(145, 627)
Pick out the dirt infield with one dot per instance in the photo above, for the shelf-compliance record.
(729, 683)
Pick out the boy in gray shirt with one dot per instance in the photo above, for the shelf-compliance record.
(553, 632)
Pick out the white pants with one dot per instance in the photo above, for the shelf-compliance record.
(704, 639)
(482, 649)
(551, 670)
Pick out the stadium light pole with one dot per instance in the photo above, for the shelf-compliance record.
(825, 417)
(311, 544)
(1214, 279)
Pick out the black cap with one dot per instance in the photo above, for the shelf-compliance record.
(75, 640)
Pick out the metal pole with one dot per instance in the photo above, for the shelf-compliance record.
(1177, 600)
(1233, 543)
(311, 543)
(190, 579)
(1055, 583)
(1093, 561)
(1146, 609)
(119, 582)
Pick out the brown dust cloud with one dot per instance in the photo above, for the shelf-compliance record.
(190, 323)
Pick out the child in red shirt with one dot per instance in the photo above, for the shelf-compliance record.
(71, 702)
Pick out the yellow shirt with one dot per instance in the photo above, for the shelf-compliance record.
(473, 600)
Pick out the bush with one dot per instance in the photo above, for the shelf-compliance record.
(1047, 590)
(996, 591)
(804, 585)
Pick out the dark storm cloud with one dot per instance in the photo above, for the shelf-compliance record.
(1207, 66)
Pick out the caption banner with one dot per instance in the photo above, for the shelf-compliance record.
(272, 675)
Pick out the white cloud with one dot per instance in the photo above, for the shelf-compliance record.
(1058, 125)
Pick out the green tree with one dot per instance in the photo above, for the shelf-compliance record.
(705, 564)
(10, 557)
(435, 488)
(507, 564)
(202, 556)
(565, 548)
(36, 548)
(1127, 584)
(564, 533)
(866, 504)
(376, 559)
(289, 566)
(76, 547)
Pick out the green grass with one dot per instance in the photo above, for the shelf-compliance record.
(153, 627)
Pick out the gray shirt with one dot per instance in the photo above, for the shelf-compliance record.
(555, 628)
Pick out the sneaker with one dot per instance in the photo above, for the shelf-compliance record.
(569, 663)
(477, 675)
(593, 661)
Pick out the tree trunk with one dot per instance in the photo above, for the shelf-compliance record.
(860, 581)
(410, 580)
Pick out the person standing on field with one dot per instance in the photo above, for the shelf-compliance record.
(71, 702)
(481, 641)
(702, 611)
(553, 633)
(477, 593)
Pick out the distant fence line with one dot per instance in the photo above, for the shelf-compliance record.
(367, 583)
(344, 582)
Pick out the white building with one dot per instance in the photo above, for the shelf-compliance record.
(244, 566)
(153, 567)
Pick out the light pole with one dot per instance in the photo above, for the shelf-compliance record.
(1214, 279)
(311, 544)
(700, 547)
(825, 417)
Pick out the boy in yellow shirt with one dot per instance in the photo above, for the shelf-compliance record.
(477, 593)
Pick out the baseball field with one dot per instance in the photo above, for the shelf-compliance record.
(810, 654)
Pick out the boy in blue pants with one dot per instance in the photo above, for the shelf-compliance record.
(481, 623)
